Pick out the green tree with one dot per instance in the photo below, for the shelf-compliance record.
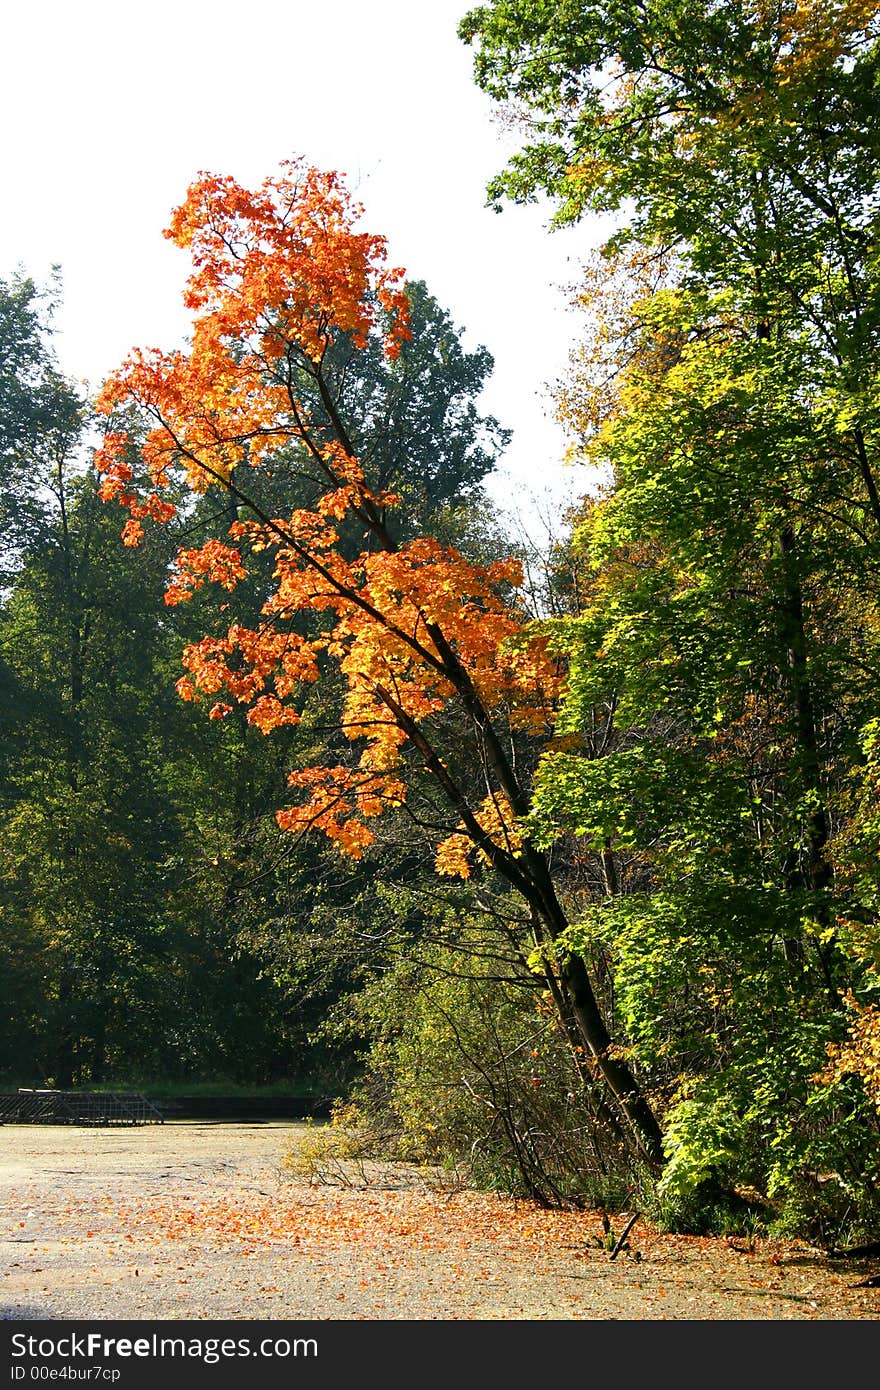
(106, 947)
(41, 418)
(415, 420)
(723, 668)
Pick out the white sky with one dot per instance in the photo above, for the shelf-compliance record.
(110, 108)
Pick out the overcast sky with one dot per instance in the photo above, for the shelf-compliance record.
(109, 109)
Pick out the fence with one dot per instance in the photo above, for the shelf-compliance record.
(25, 1107)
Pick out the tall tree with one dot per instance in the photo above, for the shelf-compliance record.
(723, 673)
(419, 633)
(41, 417)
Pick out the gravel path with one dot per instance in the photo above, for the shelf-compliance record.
(189, 1221)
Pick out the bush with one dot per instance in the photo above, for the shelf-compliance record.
(468, 1069)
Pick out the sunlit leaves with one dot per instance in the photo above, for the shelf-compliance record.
(497, 820)
(281, 276)
(722, 661)
(860, 1054)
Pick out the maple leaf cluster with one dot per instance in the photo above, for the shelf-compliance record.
(497, 819)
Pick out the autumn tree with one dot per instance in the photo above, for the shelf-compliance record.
(301, 907)
(426, 641)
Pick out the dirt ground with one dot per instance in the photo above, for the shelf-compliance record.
(194, 1220)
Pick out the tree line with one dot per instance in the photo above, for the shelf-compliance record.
(572, 880)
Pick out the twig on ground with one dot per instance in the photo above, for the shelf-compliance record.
(618, 1244)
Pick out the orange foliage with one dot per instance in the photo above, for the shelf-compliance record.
(279, 274)
(495, 816)
(860, 1055)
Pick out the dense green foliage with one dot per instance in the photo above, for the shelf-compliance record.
(723, 657)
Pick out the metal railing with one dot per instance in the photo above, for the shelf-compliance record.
(33, 1107)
